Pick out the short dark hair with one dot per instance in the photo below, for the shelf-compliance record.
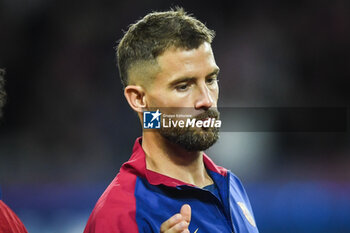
(156, 32)
(2, 90)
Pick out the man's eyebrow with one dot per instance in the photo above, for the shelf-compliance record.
(215, 72)
(188, 79)
(180, 80)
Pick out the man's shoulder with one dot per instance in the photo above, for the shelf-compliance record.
(118, 192)
(116, 208)
(234, 179)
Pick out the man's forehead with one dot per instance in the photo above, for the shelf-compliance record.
(179, 53)
(179, 60)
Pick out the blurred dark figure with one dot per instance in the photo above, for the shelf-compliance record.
(9, 222)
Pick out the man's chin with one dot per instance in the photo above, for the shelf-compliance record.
(192, 140)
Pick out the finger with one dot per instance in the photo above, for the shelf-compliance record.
(179, 227)
(186, 212)
(172, 221)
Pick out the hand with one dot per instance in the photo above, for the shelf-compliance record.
(179, 222)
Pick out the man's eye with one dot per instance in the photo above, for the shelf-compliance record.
(212, 80)
(182, 87)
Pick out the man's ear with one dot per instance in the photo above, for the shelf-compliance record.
(135, 95)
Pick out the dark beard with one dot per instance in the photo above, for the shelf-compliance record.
(193, 139)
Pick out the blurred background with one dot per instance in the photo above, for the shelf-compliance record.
(67, 128)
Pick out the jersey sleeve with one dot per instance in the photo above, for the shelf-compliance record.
(115, 211)
(9, 222)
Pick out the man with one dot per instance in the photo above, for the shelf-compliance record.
(9, 222)
(169, 185)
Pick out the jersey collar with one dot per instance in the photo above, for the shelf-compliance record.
(137, 166)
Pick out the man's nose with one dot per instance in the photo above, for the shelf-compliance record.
(205, 99)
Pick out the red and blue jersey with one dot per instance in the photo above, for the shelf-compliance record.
(140, 200)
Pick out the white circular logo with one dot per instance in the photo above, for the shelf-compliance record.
(246, 213)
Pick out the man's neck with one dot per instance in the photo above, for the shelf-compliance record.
(171, 160)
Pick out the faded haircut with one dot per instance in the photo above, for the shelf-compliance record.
(156, 32)
(2, 90)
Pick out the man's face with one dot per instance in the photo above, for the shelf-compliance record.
(187, 81)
